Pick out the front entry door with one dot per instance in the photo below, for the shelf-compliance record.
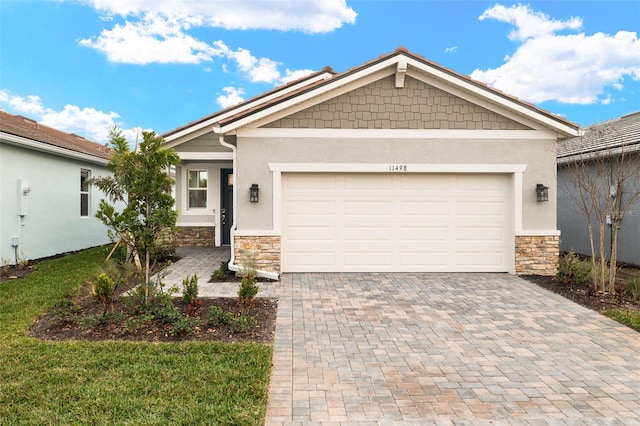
(226, 204)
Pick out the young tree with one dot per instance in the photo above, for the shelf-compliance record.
(603, 179)
(140, 180)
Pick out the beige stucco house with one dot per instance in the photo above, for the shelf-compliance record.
(396, 165)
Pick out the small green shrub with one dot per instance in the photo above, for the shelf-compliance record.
(243, 323)
(66, 310)
(190, 289)
(218, 316)
(633, 288)
(103, 290)
(573, 271)
(221, 272)
(185, 326)
(248, 290)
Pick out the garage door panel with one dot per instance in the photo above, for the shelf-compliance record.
(307, 207)
(397, 222)
(367, 208)
(316, 233)
(424, 208)
(425, 233)
(368, 233)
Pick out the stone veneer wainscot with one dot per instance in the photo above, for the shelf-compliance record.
(258, 252)
(537, 255)
(196, 236)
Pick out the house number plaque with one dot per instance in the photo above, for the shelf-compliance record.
(398, 167)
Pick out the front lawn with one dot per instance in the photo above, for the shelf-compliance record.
(117, 382)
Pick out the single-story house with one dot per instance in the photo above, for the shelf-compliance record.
(398, 164)
(48, 207)
(601, 144)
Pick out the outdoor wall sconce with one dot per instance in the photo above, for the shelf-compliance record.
(542, 192)
(253, 193)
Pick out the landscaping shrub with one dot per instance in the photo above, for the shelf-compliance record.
(632, 287)
(574, 271)
(184, 326)
(248, 290)
(221, 272)
(218, 316)
(190, 289)
(243, 323)
(103, 290)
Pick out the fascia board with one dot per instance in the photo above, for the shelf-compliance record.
(205, 126)
(486, 93)
(50, 149)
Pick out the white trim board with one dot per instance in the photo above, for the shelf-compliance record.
(397, 134)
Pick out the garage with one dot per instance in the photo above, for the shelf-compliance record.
(397, 222)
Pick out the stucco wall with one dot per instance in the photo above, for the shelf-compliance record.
(255, 154)
(573, 225)
(53, 223)
(379, 105)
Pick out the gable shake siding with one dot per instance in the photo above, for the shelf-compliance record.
(380, 105)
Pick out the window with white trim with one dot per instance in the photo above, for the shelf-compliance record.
(85, 174)
(197, 187)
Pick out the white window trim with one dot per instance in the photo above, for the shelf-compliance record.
(199, 210)
(88, 192)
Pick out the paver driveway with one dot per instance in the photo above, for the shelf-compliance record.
(422, 348)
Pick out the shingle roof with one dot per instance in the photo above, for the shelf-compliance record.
(613, 135)
(18, 125)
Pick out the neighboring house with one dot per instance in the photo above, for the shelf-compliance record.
(47, 206)
(396, 165)
(600, 141)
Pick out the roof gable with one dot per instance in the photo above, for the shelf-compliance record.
(380, 105)
(30, 130)
(399, 64)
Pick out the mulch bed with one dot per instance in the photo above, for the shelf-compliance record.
(585, 295)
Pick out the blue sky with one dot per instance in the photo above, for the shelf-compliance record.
(85, 65)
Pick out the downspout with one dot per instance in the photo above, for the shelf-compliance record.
(232, 265)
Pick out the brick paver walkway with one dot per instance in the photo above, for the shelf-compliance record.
(407, 349)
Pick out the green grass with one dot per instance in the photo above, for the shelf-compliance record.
(629, 318)
(117, 382)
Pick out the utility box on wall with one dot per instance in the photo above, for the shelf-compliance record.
(23, 197)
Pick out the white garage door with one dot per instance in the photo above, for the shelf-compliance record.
(397, 223)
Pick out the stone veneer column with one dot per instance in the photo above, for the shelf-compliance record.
(196, 236)
(537, 254)
(258, 252)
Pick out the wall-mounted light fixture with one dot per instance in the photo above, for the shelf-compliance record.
(253, 193)
(26, 190)
(542, 192)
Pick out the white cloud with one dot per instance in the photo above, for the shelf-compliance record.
(258, 70)
(451, 49)
(30, 104)
(234, 95)
(292, 75)
(155, 39)
(572, 68)
(312, 16)
(88, 122)
(528, 23)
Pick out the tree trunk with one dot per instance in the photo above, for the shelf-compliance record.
(603, 258)
(614, 258)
